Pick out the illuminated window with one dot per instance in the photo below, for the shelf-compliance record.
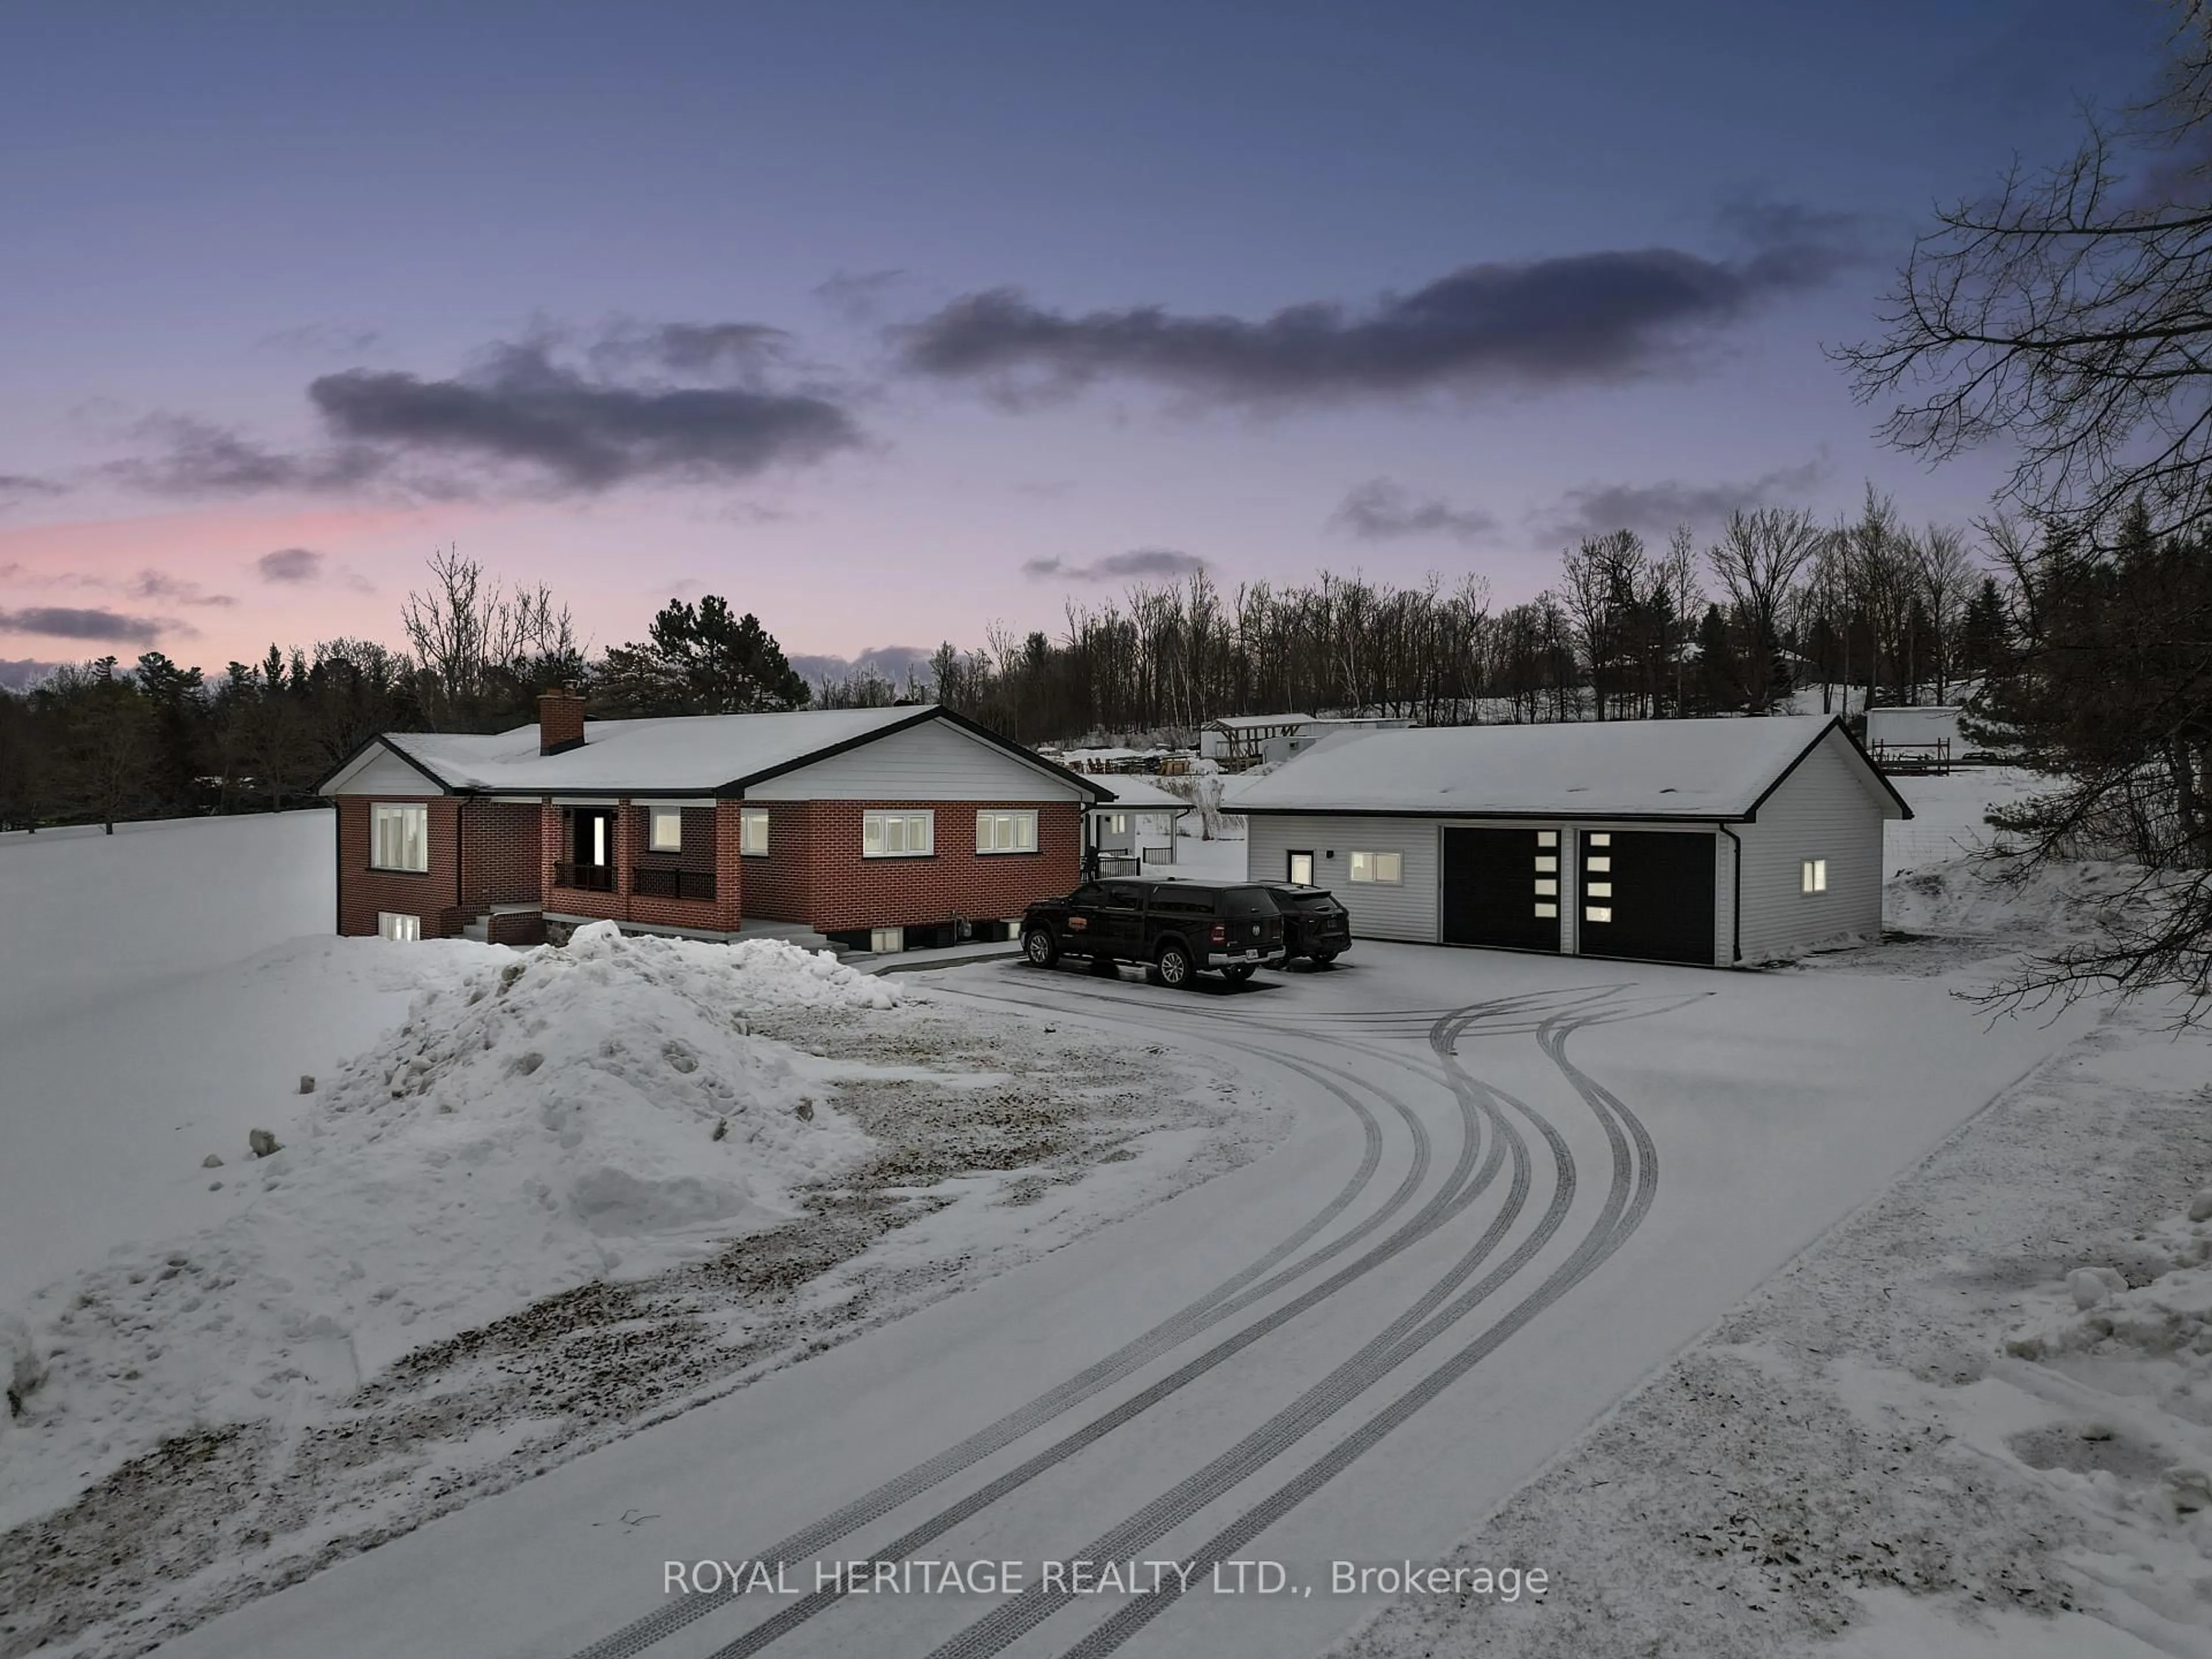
(399, 837)
(897, 835)
(1599, 890)
(1602, 838)
(1597, 913)
(1547, 838)
(1547, 909)
(1548, 862)
(887, 939)
(1813, 876)
(391, 925)
(1383, 869)
(1549, 886)
(1006, 832)
(752, 832)
(665, 831)
(1601, 862)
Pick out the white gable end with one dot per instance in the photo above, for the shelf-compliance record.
(378, 771)
(934, 760)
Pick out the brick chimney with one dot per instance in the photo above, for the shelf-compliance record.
(560, 722)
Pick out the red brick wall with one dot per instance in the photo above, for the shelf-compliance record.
(848, 891)
(704, 829)
(362, 893)
(501, 863)
(780, 887)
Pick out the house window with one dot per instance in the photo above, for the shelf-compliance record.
(665, 833)
(1597, 913)
(399, 837)
(1302, 869)
(1383, 869)
(1598, 890)
(752, 832)
(887, 939)
(1813, 876)
(389, 924)
(897, 835)
(1009, 832)
(1598, 864)
(1547, 909)
(1117, 823)
(1602, 838)
(1547, 838)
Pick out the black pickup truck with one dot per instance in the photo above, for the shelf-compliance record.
(1177, 928)
(1314, 925)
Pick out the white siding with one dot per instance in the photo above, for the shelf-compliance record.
(383, 773)
(932, 761)
(1408, 911)
(1824, 810)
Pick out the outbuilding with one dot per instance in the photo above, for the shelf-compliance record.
(1711, 841)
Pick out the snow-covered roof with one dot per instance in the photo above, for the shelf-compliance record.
(1246, 722)
(693, 753)
(1700, 769)
(1136, 795)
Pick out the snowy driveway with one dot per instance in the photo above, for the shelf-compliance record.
(1516, 1185)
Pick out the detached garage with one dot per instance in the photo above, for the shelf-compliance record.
(1716, 842)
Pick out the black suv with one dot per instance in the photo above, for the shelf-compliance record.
(1177, 928)
(1314, 925)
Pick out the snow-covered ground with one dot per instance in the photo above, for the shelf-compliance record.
(519, 1203)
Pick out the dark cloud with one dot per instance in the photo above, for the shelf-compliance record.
(17, 487)
(1656, 508)
(155, 584)
(1137, 565)
(891, 661)
(1585, 317)
(689, 401)
(1381, 510)
(21, 673)
(859, 296)
(291, 564)
(66, 622)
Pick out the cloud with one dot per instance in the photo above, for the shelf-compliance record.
(154, 585)
(891, 661)
(291, 564)
(1656, 508)
(1577, 318)
(17, 487)
(1142, 562)
(1381, 510)
(859, 296)
(21, 673)
(66, 622)
(687, 402)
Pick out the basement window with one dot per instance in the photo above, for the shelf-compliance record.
(1382, 869)
(898, 834)
(887, 939)
(752, 832)
(1007, 832)
(399, 837)
(389, 924)
(1813, 876)
(665, 832)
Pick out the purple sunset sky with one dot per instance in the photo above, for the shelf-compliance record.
(889, 321)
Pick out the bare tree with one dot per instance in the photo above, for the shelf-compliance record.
(468, 631)
(1947, 576)
(1757, 562)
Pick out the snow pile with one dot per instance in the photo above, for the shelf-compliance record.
(560, 1116)
(2059, 900)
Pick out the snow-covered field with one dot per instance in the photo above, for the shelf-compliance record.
(518, 1202)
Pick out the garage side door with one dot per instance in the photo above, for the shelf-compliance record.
(1647, 896)
(1501, 888)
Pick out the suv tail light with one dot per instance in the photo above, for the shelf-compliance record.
(1219, 935)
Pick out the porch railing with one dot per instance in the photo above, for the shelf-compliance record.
(659, 881)
(584, 877)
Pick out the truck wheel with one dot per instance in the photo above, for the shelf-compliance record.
(1177, 969)
(1041, 947)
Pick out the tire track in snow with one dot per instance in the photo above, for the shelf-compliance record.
(1602, 1241)
(645, 1632)
(1411, 1331)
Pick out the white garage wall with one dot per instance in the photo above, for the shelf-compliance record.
(1824, 810)
(1408, 911)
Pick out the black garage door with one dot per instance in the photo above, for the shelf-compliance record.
(1501, 887)
(1647, 895)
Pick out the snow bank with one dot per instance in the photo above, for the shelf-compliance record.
(556, 1117)
(2061, 900)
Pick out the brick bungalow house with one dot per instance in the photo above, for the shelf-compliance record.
(879, 829)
